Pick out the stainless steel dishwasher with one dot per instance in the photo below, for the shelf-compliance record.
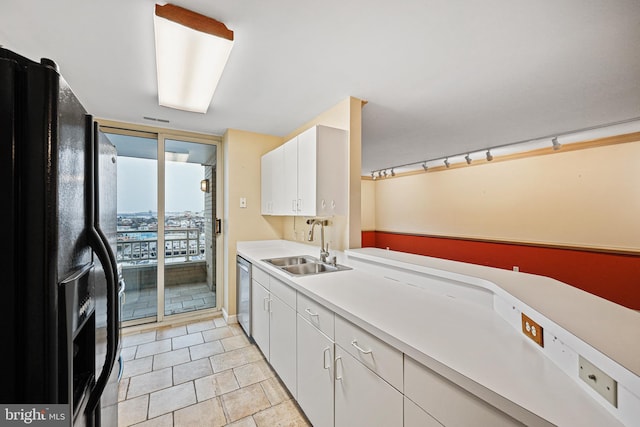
(243, 293)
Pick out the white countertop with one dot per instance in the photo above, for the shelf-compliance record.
(465, 342)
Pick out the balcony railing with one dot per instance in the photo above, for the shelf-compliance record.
(141, 246)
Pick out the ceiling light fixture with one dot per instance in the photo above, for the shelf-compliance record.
(373, 176)
(489, 156)
(392, 172)
(556, 144)
(191, 52)
(446, 162)
(424, 166)
(468, 159)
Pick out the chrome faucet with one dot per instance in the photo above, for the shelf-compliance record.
(324, 251)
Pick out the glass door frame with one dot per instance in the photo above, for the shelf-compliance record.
(163, 134)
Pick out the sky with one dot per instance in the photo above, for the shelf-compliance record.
(137, 186)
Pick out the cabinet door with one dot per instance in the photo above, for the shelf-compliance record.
(279, 203)
(307, 169)
(290, 177)
(361, 397)
(315, 374)
(266, 184)
(282, 344)
(260, 317)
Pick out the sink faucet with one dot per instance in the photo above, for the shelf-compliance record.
(324, 252)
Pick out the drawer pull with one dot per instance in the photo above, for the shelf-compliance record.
(324, 357)
(360, 349)
(310, 313)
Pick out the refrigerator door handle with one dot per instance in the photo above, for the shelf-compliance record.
(100, 245)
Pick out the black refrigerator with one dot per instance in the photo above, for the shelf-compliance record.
(60, 288)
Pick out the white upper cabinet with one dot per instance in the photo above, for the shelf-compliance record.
(310, 176)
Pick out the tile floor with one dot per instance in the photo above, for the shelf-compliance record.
(201, 374)
(140, 303)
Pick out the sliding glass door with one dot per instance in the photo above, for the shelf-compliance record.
(167, 240)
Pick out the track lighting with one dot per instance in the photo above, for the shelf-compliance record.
(424, 166)
(468, 159)
(489, 156)
(373, 176)
(446, 162)
(392, 172)
(385, 173)
(556, 144)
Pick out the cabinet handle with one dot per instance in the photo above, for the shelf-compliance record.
(293, 206)
(324, 357)
(310, 313)
(360, 349)
(335, 362)
(299, 204)
(264, 304)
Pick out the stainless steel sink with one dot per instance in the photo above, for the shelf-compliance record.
(292, 260)
(304, 265)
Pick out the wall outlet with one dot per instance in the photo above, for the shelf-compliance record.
(243, 202)
(602, 383)
(532, 330)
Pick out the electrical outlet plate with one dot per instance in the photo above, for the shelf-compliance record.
(532, 330)
(602, 383)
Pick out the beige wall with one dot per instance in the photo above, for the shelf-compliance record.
(344, 231)
(588, 197)
(368, 203)
(242, 151)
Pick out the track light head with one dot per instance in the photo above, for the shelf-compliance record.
(392, 172)
(424, 166)
(489, 156)
(556, 144)
(468, 159)
(373, 176)
(446, 162)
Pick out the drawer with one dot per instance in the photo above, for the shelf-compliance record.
(317, 314)
(448, 403)
(283, 291)
(260, 276)
(375, 354)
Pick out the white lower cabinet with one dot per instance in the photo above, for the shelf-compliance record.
(282, 342)
(447, 402)
(260, 316)
(362, 398)
(414, 416)
(315, 373)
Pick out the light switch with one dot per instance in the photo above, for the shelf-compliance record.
(243, 202)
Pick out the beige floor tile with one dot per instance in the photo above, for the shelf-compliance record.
(200, 326)
(235, 342)
(245, 422)
(187, 340)
(128, 353)
(208, 413)
(132, 411)
(217, 334)
(150, 382)
(122, 389)
(236, 329)
(215, 385)
(245, 401)
(171, 332)
(152, 348)
(164, 421)
(285, 414)
(219, 322)
(170, 399)
(191, 370)
(276, 391)
(235, 358)
(140, 338)
(171, 358)
(137, 367)
(207, 349)
(252, 373)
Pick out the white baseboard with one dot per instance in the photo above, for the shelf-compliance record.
(229, 318)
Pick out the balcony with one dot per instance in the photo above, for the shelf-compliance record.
(185, 273)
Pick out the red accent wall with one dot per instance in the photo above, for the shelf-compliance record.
(612, 276)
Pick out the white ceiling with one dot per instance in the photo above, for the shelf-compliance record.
(441, 76)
